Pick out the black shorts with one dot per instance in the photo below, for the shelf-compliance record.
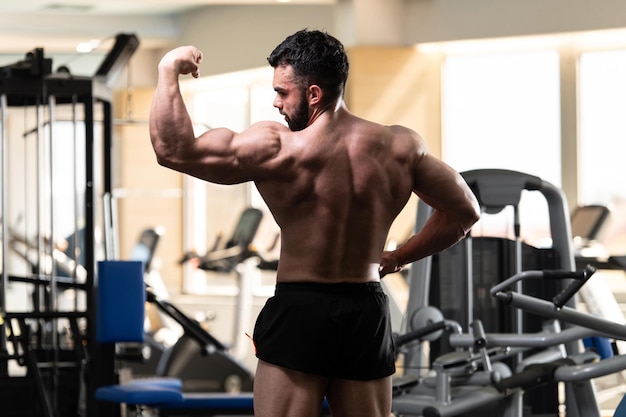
(334, 330)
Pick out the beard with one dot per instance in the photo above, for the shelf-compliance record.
(300, 119)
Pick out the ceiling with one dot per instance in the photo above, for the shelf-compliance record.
(59, 25)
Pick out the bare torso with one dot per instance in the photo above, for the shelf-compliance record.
(348, 180)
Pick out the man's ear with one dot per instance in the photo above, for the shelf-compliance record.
(315, 94)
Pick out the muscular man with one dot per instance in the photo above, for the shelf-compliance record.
(334, 184)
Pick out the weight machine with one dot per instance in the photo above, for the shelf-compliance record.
(471, 382)
(201, 361)
(457, 281)
(61, 373)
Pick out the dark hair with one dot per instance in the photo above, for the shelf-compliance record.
(316, 57)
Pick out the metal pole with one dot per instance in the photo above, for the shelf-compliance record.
(3, 219)
(53, 305)
(469, 278)
(77, 246)
(93, 350)
(49, 184)
(519, 319)
(40, 198)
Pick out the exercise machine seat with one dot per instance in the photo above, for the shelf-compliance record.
(139, 394)
(215, 401)
(167, 397)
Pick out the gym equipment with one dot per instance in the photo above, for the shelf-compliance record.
(122, 321)
(556, 309)
(199, 361)
(202, 362)
(587, 224)
(170, 402)
(237, 255)
(60, 377)
(457, 280)
(236, 249)
(467, 383)
(166, 395)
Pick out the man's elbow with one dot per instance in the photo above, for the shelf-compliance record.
(164, 159)
(470, 218)
(164, 162)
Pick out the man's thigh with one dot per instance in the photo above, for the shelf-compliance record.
(281, 392)
(350, 398)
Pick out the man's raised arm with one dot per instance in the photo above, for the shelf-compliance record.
(219, 155)
(171, 129)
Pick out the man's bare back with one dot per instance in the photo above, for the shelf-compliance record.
(334, 183)
(336, 202)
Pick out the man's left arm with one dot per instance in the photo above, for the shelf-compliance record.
(455, 211)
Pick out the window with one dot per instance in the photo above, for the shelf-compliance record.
(501, 110)
(602, 129)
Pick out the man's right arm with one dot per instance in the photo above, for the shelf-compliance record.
(219, 155)
(171, 129)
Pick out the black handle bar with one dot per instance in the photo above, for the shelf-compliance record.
(207, 342)
(582, 275)
(567, 314)
(568, 292)
(555, 309)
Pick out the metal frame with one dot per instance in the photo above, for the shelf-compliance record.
(496, 189)
(54, 90)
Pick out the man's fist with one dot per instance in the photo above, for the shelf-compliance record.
(184, 60)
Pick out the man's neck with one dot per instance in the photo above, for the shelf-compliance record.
(332, 107)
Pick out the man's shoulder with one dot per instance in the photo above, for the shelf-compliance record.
(395, 130)
(269, 130)
(402, 130)
(269, 125)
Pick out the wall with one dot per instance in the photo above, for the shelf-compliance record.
(233, 38)
(147, 195)
(445, 20)
(397, 85)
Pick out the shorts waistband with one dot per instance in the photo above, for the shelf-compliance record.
(335, 288)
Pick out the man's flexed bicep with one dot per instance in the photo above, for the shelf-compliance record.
(171, 129)
(226, 157)
(223, 156)
(219, 155)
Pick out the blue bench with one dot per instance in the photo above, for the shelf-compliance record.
(121, 296)
(170, 401)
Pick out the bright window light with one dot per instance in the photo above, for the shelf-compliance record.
(502, 110)
(602, 127)
(87, 47)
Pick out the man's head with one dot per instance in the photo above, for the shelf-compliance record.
(317, 58)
